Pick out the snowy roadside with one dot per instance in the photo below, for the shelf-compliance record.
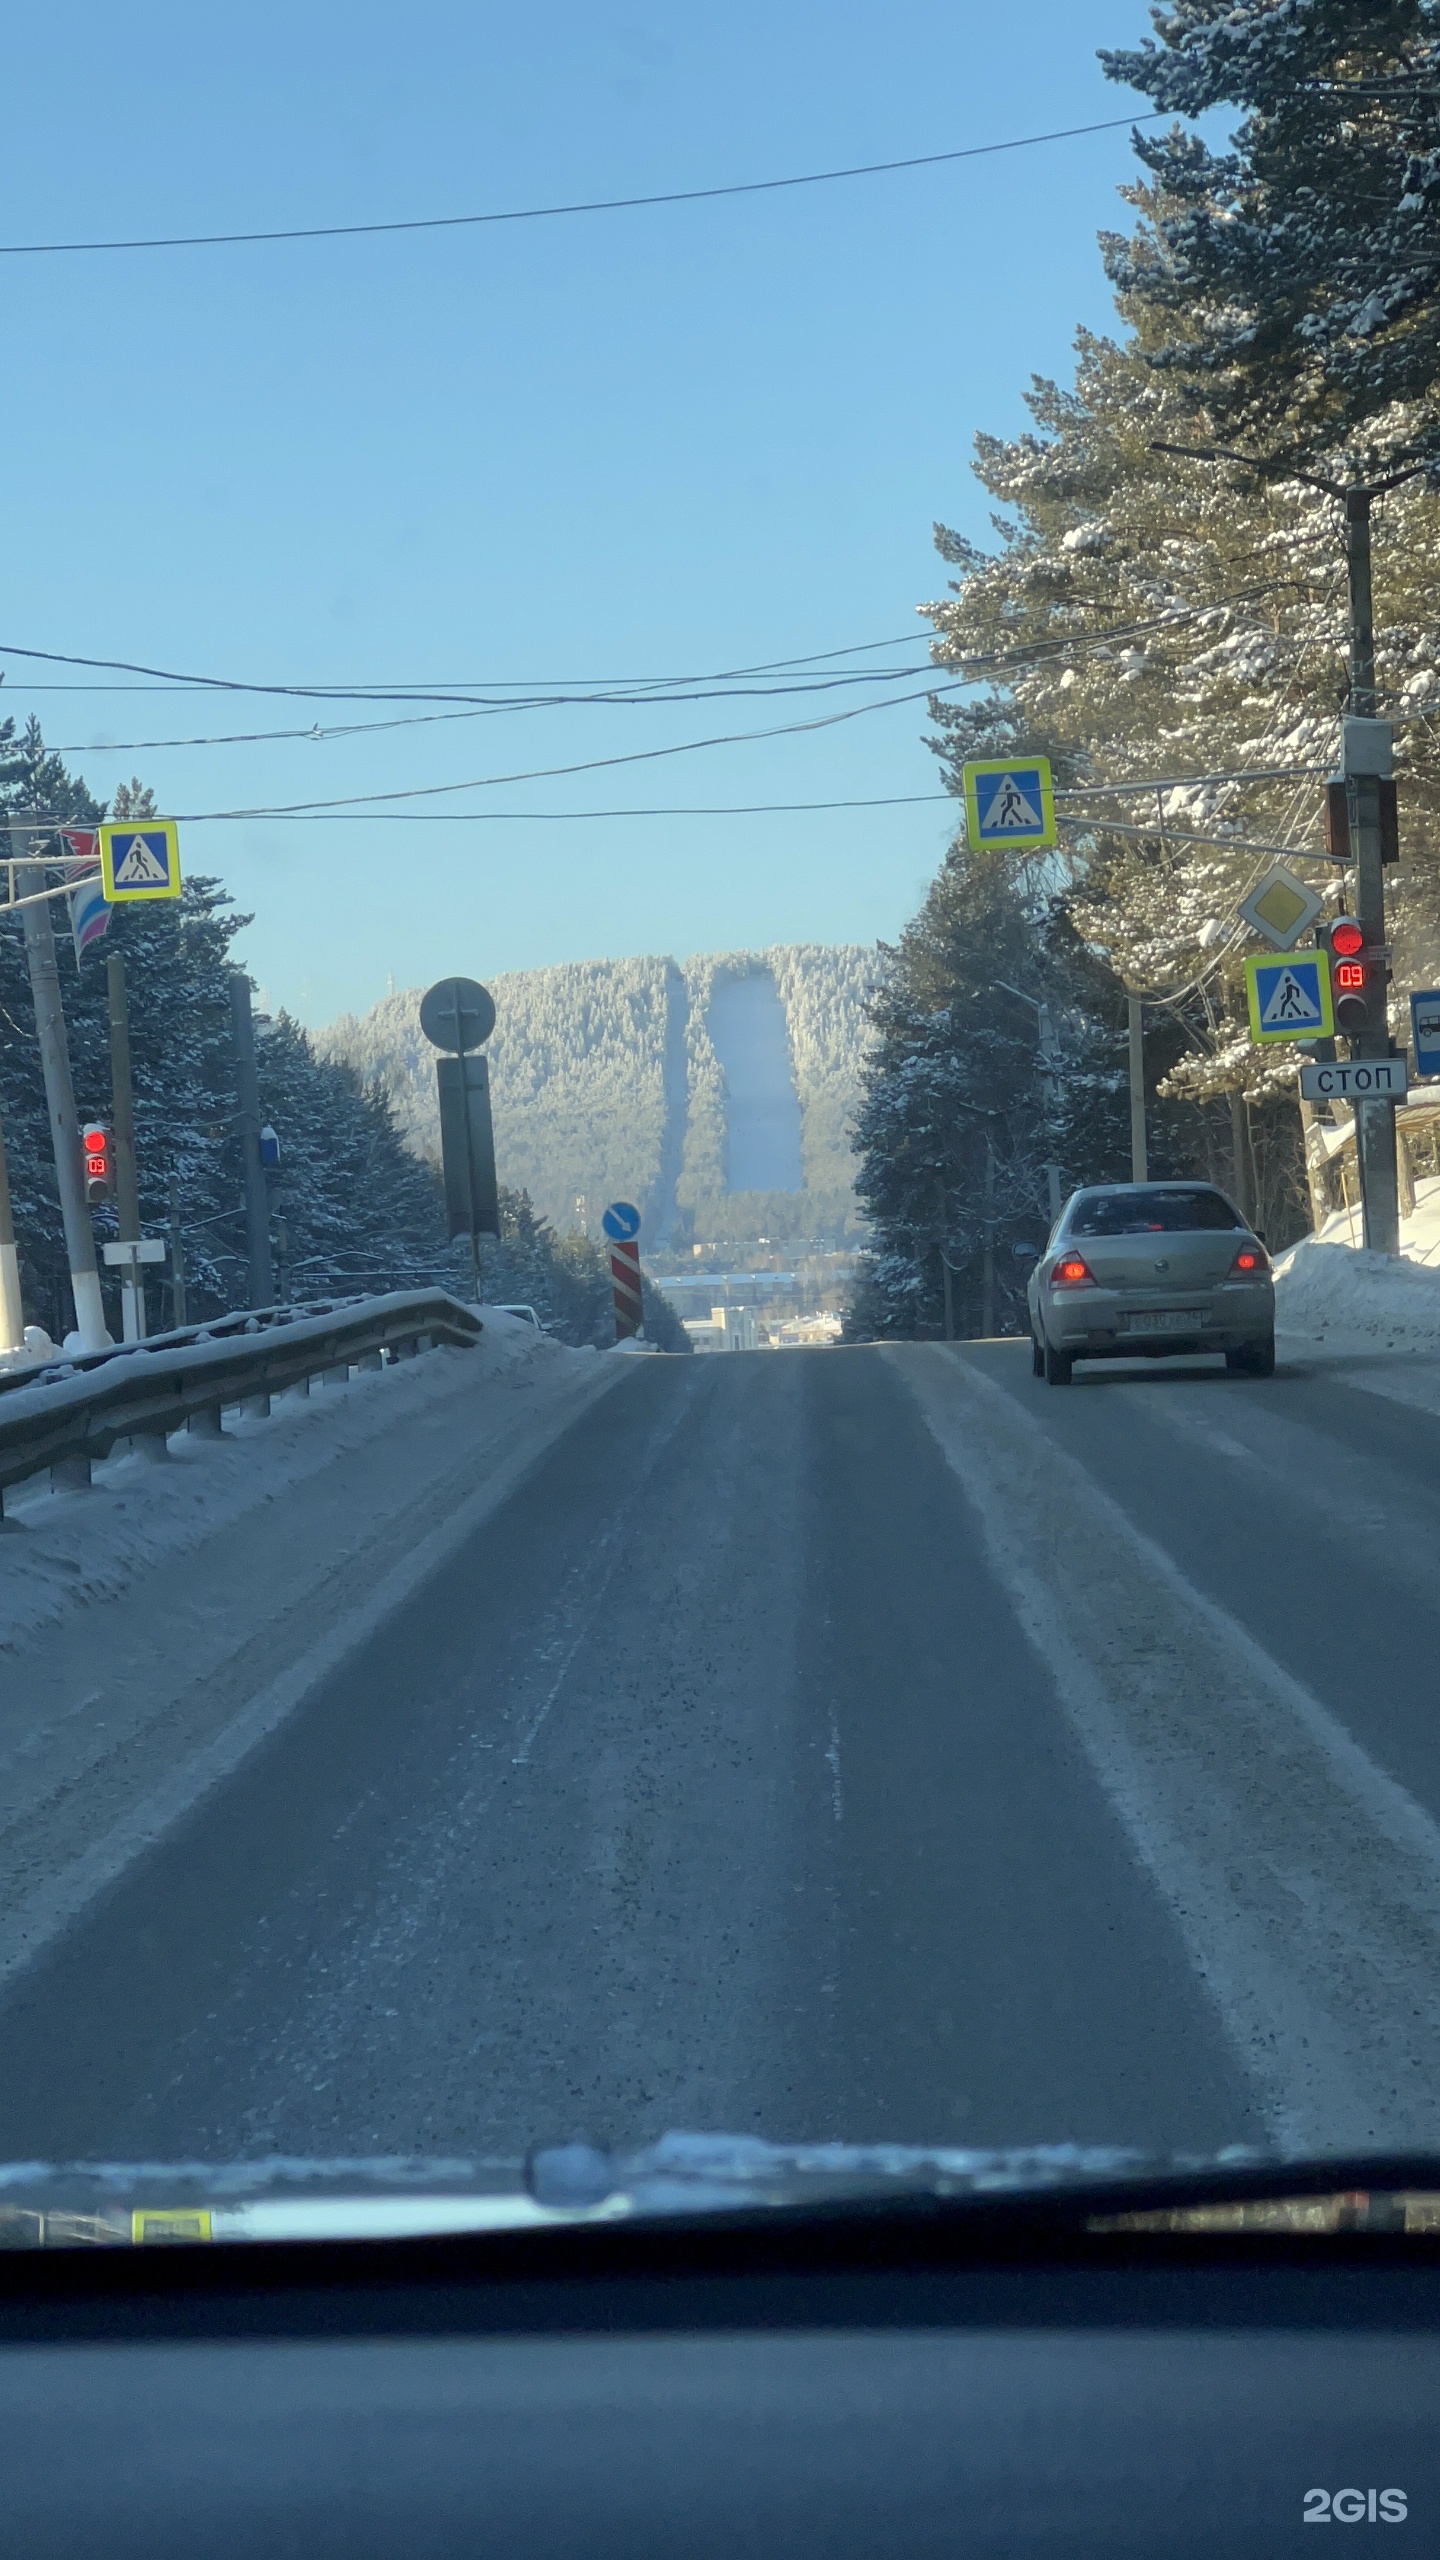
(154, 1628)
(1339, 1307)
(79, 1550)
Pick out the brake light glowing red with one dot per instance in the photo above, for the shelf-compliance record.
(1250, 1258)
(1071, 1273)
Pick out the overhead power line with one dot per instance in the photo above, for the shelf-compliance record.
(605, 688)
(588, 764)
(487, 711)
(559, 212)
(511, 817)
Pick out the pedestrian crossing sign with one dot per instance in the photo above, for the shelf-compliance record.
(139, 859)
(1289, 996)
(1010, 801)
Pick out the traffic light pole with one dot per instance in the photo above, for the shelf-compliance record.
(1366, 761)
(127, 1184)
(60, 1101)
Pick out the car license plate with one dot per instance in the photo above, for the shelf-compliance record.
(1167, 1320)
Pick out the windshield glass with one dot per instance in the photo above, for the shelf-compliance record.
(645, 715)
(1139, 1213)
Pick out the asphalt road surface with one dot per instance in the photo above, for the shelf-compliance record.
(868, 1744)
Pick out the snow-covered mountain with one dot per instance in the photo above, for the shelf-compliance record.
(716, 1092)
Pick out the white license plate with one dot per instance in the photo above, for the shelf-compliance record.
(1167, 1320)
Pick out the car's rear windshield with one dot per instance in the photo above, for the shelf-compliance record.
(1142, 1213)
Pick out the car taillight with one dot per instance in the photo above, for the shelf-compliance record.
(1250, 1259)
(1071, 1273)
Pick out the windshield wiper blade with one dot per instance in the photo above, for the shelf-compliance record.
(1041, 2188)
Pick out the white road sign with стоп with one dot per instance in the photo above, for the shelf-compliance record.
(1356, 1080)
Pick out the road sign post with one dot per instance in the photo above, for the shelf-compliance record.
(127, 1180)
(457, 1015)
(621, 1223)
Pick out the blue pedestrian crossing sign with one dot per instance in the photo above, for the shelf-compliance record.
(1010, 802)
(1289, 996)
(139, 858)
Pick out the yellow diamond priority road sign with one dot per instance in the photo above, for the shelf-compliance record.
(139, 858)
(1280, 907)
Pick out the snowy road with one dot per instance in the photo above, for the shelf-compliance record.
(869, 1743)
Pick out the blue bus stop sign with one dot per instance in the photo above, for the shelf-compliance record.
(1425, 1025)
(621, 1221)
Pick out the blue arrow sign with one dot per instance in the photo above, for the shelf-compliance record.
(621, 1221)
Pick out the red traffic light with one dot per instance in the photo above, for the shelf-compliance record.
(1347, 938)
(95, 1138)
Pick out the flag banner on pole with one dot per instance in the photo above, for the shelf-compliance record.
(89, 914)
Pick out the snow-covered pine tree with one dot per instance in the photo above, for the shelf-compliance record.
(1149, 617)
(1290, 286)
(956, 1126)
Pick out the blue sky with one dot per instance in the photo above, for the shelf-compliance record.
(691, 438)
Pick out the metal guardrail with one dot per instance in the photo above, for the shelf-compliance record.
(72, 1411)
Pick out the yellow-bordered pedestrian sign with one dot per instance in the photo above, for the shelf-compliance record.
(1289, 996)
(139, 858)
(170, 2223)
(1010, 800)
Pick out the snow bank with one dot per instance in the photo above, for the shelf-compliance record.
(1356, 1301)
(1328, 1289)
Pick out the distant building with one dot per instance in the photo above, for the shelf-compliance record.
(728, 1329)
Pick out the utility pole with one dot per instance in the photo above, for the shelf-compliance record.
(12, 1312)
(60, 1099)
(1139, 1154)
(987, 1258)
(127, 1182)
(1050, 1054)
(1243, 1152)
(1366, 760)
(1049, 1076)
(177, 1257)
(257, 1197)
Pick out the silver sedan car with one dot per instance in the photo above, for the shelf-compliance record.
(1146, 1269)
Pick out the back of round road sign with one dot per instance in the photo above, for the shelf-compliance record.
(457, 1014)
